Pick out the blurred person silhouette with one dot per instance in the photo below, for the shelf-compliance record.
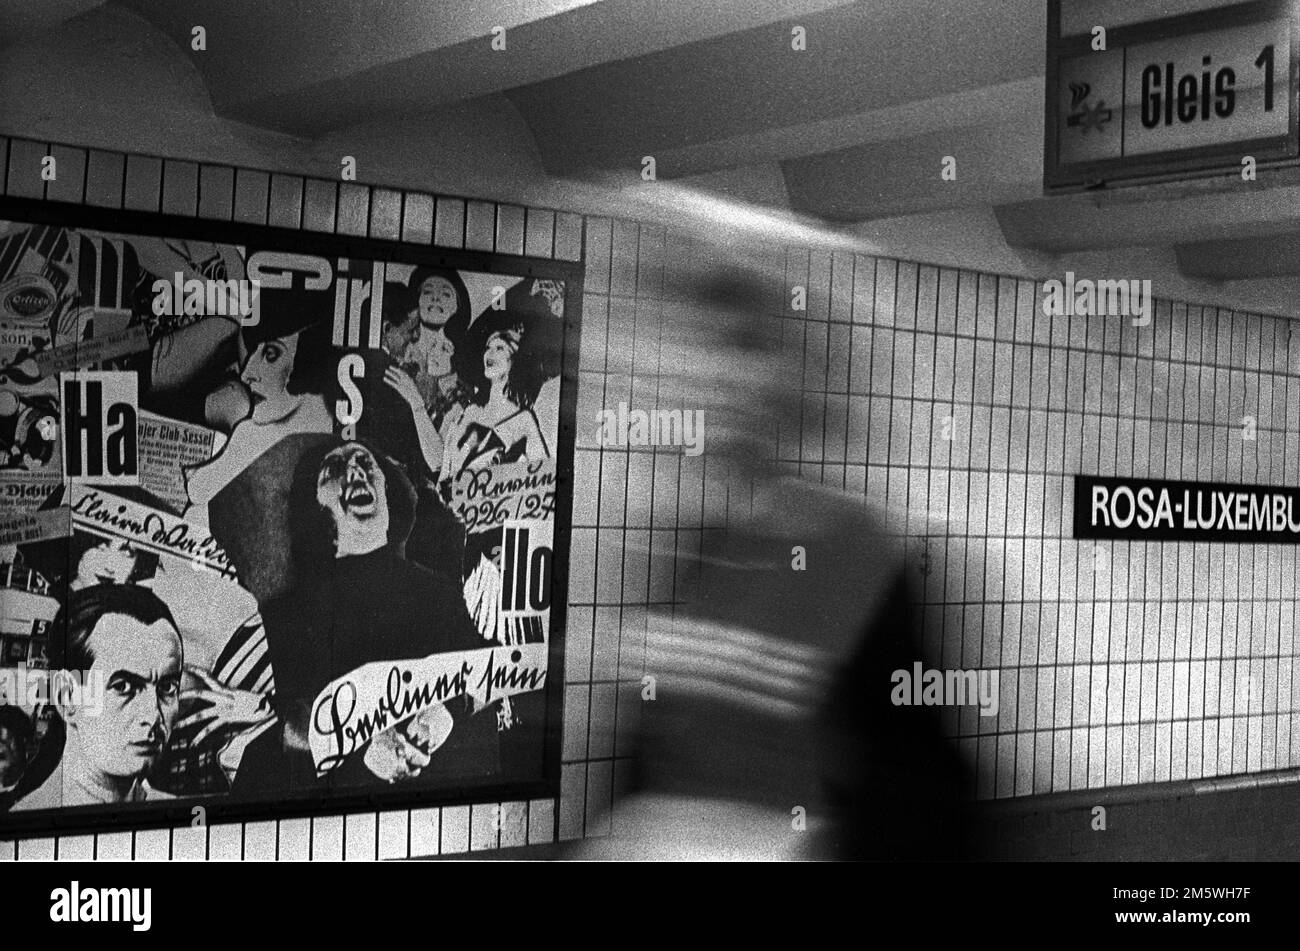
(771, 733)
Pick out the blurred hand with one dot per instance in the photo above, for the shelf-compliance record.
(227, 707)
(483, 597)
(405, 387)
(393, 757)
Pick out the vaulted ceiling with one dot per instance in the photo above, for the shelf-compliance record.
(701, 87)
(856, 125)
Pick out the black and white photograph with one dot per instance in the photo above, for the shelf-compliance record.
(554, 435)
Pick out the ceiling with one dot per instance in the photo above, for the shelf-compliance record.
(858, 123)
(23, 16)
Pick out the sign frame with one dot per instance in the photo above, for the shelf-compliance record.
(178, 813)
(1182, 514)
(1197, 162)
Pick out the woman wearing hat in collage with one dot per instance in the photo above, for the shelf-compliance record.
(283, 379)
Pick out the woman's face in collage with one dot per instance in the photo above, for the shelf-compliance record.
(111, 562)
(497, 358)
(266, 374)
(437, 301)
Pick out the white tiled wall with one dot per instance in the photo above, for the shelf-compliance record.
(1145, 662)
(1120, 663)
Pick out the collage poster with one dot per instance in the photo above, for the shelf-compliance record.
(272, 524)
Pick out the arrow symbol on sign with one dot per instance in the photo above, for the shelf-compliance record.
(1093, 118)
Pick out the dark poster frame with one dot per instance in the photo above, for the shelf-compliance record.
(83, 820)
